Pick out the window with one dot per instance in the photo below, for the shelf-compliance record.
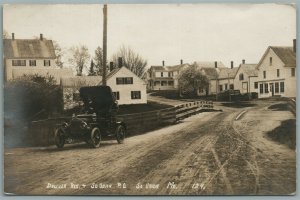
(170, 83)
(241, 77)
(164, 83)
(231, 86)
(261, 88)
(270, 61)
(255, 85)
(293, 71)
(266, 88)
(276, 87)
(135, 94)
(170, 74)
(124, 80)
(161, 74)
(226, 86)
(32, 62)
(281, 86)
(220, 88)
(278, 72)
(47, 63)
(201, 90)
(18, 62)
(265, 74)
(156, 83)
(117, 95)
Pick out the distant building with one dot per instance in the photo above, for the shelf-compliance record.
(71, 85)
(220, 77)
(31, 56)
(127, 87)
(225, 80)
(245, 79)
(277, 72)
(164, 77)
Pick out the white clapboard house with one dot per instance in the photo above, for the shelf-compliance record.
(127, 87)
(245, 78)
(29, 57)
(277, 72)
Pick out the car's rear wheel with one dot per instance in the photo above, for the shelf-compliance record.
(59, 138)
(120, 134)
(95, 137)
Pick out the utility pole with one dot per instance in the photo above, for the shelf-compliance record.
(216, 88)
(104, 43)
(228, 87)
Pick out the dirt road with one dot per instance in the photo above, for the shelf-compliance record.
(206, 154)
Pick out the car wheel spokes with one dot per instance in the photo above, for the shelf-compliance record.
(96, 137)
(120, 134)
(59, 138)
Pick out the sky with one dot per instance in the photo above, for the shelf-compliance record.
(169, 32)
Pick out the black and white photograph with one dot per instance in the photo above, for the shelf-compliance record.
(149, 99)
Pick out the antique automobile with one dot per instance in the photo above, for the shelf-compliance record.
(96, 122)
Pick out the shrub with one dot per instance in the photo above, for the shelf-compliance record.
(32, 96)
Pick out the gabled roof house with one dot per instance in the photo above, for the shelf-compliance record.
(31, 56)
(277, 72)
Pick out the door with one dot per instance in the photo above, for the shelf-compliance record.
(272, 88)
(244, 87)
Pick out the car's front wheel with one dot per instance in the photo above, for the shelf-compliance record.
(120, 134)
(59, 137)
(95, 137)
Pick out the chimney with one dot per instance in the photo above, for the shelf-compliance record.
(41, 36)
(111, 66)
(163, 63)
(231, 64)
(13, 36)
(216, 64)
(181, 62)
(294, 45)
(243, 61)
(120, 62)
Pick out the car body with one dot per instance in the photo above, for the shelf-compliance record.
(96, 122)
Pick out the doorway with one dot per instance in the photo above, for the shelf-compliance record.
(244, 87)
(272, 88)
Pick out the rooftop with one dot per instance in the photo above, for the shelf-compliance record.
(28, 48)
(286, 54)
(226, 73)
(209, 64)
(249, 69)
(168, 68)
(80, 81)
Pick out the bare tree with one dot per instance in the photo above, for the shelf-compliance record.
(92, 69)
(131, 60)
(98, 58)
(191, 80)
(79, 58)
(59, 54)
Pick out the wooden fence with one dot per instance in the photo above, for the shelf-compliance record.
(191, 108)
(41, 132)
(292, 105)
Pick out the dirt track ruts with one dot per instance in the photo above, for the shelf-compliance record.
(206, 154)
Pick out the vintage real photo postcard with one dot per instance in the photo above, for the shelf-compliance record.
(149, 99)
